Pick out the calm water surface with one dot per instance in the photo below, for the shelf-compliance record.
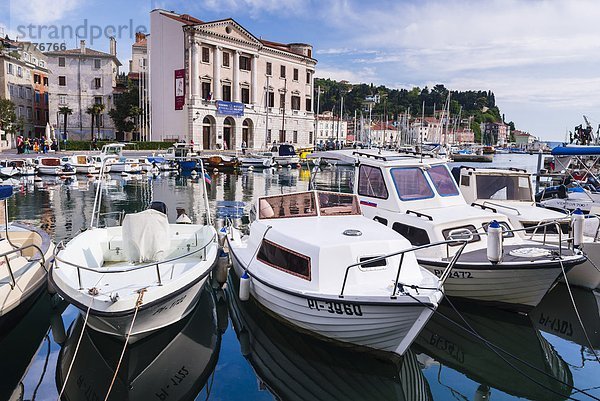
(229, 350)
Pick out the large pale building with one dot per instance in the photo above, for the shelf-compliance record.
(217, 85)
(24, 81)
(138, 73)
(331, 128)
(80, 78)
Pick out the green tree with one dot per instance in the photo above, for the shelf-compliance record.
(92, 112)
(98, 109)
(126, 112)
(65, 111)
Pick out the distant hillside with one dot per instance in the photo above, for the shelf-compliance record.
(479, 104)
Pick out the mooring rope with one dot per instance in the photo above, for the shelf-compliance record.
(587, 338)
(138, 303)
(87, 314)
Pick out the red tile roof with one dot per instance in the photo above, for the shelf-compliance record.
(183, 18)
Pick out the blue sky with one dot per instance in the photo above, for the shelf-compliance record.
(540, 58)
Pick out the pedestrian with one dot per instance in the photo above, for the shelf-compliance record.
(27, 145)
(36, 146)
(48, 144)
(19, 144)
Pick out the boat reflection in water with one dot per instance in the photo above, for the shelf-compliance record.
(297, 366)
(453, 347)
(21, 339)
(172, 364)
(555, 315)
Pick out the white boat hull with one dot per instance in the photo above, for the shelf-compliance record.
(390, 326)
(158, 315)
(125, 168)
(587, 275)
(286, 161)
(30, 276)
(520, 288)
(58, 170)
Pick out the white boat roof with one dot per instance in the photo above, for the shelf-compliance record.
(324, 232)
(496, 171)
(119, 145)
(386, 158)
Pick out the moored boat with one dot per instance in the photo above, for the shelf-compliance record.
(53, 166)
(418, 198)
(113, 153)
(316, 263)
(138, 277)
(509, 191)
(26, 253)
(84, 164)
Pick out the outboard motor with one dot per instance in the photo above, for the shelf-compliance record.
(562, 192)
(158, 205)
(67, 168)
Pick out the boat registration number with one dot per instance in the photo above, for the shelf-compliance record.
(339, 308)
(454, 274)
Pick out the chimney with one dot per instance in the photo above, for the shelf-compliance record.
(139, 36)
(113, 46)
(82, 46)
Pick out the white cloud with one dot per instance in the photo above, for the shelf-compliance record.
(41, 11)
(365, 74)
(257, 8)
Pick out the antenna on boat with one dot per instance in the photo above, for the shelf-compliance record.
(205, 196)
(421, 131)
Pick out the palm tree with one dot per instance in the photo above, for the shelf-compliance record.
(92, 112)
(66, 112)
(98, 108)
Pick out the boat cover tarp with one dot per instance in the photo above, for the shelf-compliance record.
(576, 151)
(146, 236)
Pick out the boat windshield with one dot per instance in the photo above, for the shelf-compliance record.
(290, 205)
(336, 204)
(504, 187)
(411, 183)
(442, 181)
(112, 150)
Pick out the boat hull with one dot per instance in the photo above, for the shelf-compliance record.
(167, 311)
(587, 274)
(389, 327)
(513, 288)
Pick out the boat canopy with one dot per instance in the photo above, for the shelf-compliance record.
(576, 151)
(303, 204)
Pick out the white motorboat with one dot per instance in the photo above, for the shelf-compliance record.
(26, 253)
(53, 166)
(294, 366)
(509, 191)
(257, 160)
(138, 277)
(117, 162)
(418, 197)
(580, 187)
(315, 262)
(284, 154)
(84, 164)
(187, 350)
(17, 167)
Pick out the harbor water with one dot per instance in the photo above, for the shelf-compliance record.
(227, 349)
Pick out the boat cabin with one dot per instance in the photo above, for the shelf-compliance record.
(283, 149)
(112, 149)
(418, 197)
(507, 191)
(180, 151)
(490, 186)
(306, 204)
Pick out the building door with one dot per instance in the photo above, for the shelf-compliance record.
(207, 133)
(228, 133)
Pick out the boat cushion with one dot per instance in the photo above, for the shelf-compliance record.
(146, 236)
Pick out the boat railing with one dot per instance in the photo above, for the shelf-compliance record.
(20, 249)
(445, 274)
(535, 228)
(485, 203)
(108, 270)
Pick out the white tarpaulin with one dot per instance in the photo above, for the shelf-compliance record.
(146, 236)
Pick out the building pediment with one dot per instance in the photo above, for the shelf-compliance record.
(229, 30)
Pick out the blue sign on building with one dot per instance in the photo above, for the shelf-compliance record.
(230, 108)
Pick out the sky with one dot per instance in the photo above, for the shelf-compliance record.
(540, 58)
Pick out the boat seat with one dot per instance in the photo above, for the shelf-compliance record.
(146, 236)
